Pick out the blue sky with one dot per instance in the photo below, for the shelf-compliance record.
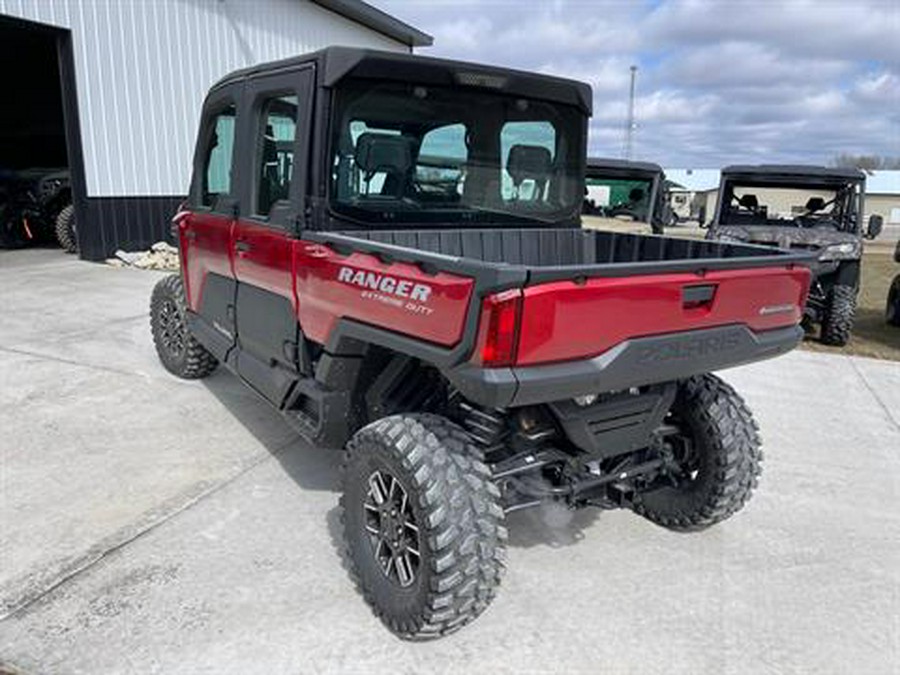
(719, 81)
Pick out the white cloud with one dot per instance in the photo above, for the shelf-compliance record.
(719, 81)
(880, 88)
(832, 28)
(607, 75)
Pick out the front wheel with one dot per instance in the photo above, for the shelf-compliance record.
(717, 448)
(66, 233)
(838, 321)
(422, 523)
(178, 350)
(892, 311)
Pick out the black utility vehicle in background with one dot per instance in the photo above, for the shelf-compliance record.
(892, 311)
(622, 190)
(807, 208)
(36, 208)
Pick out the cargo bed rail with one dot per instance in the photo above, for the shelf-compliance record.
(533, 256)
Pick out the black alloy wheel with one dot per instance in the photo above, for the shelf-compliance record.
(391, 525)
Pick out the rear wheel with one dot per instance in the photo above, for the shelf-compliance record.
(838, 322)
(178, 350)
(718, 451)
(65, 229)
(423, 524)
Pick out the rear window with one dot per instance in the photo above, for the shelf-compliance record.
(411, 153)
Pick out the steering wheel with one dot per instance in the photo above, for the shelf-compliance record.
(623, 210)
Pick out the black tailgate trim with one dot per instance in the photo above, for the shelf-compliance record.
(632, 363)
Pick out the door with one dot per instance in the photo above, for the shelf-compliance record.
(270, 357)
(205, 228)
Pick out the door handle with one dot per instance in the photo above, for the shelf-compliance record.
(695, 297)
(242, 246)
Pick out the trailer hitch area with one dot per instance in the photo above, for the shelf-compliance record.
(514, 474)
(528, 479)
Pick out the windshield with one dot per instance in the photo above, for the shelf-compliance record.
(792, 206)
(404, 153)
(628, 199)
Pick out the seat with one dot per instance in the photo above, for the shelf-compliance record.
(270, 186)
(814, 204)
(389, 154)
(749, 202)
(530, 162)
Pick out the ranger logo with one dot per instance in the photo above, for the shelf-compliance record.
(384, 283)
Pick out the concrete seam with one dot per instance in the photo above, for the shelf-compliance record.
(92, 557)
(58, 359)
(881, 404)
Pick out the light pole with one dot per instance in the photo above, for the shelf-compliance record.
(629, 129)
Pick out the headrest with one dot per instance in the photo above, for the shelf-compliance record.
(814, 204)
(636, 194)
(383, 152)
(749, 201)
(528, 161)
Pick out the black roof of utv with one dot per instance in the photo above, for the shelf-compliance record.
(793, 173)
(622, 167)
(336, 63)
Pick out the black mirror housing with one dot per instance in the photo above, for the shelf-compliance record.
(876, 223)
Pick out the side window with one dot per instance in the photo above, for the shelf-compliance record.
(219, 151)
(275, 168)
(528, 150)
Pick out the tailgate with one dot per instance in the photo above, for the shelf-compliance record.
(566, 320)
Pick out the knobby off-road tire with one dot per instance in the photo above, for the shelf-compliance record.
(178, 350)
(725, 457)
(892, 310)
(65, 229)
(452, 518)
(838, 322)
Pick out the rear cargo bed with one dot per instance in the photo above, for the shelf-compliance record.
(599, 311)
(551, 254)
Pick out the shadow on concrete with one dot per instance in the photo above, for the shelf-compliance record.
(310, 467)
(550, 524)
(313, 468)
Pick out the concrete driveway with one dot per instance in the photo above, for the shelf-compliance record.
(149, 525)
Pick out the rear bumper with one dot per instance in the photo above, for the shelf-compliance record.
(632, 363)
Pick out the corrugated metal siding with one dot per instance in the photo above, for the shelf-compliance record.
(143, 67)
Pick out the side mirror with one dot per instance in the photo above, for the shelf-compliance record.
(876, 223)
(897, 252)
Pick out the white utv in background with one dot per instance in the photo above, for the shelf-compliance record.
(803, 208)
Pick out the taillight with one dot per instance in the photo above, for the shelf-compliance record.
(499, 332)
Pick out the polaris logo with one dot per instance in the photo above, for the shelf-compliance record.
(383, 283)
(688, 348)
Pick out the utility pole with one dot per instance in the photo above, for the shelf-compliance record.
(629, 130)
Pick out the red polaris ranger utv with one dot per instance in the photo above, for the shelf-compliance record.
(387, 248)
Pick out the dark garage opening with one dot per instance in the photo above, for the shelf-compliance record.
(35, 177)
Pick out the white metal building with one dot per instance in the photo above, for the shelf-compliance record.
(129, 79)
